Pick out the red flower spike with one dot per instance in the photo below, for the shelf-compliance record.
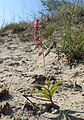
(37, 37)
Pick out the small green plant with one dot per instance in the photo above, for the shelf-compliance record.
(19, 118)
(48, 90)
(62, 114)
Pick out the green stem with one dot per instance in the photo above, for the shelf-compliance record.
(44, 62)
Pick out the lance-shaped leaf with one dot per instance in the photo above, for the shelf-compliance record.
(42, 86)
(46, 96)
(57, 83)
(56, 87)
(43, 93)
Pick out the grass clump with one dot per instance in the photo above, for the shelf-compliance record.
(73, 46)
(16, 27)
(49, 30)
(73, 36)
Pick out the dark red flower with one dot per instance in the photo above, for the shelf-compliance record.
(37, 25)
(36, 37)
(40, 53)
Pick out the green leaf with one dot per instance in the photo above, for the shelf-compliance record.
(42, 86)
(55, 89)
(46, 96)
(56, 84)
(41, 92)
(44, 93)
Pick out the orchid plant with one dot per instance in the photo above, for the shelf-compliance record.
(48, 90)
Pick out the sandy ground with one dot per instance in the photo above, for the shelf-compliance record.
(19, 63)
